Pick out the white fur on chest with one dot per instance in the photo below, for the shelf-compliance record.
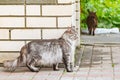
(48, 58)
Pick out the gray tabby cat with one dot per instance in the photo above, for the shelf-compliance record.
(47, 52)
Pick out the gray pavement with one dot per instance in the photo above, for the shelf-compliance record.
(100, 38)
(96, 63)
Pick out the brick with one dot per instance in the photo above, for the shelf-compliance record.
(58, 10)
(11, 22)
(11, 45)
(33, 9)
(4, 34)
(41, 22)
(64, 1)
(52, 33)
(8, 56)
(41, 1)
(11, 10)
(26, 34)
(64, 21)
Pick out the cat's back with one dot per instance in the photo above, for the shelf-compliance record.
(45, 43)
(92, 19)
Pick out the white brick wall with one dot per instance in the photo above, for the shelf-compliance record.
(33, 9)
(20, 24)
(11, 10)
(11, 45)
(11, 22)
(8, 56)
(26, 34)
(58, 10)
(64, 1)
(4, 33)
(41, 22)
(64, 21)
(52, 33)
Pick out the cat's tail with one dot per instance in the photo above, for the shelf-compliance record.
(11, 65)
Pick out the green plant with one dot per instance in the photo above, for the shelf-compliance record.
(113, 65)
(108, 12)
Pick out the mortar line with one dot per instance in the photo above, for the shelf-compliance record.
(82, 56)
(112, 63)
(78, 69)
(90, 62)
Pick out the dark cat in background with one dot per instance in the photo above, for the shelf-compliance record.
(92, 22)
(47, 52)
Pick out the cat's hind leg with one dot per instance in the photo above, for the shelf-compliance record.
(94, 31)
(31, 65)
(55, 67)
(90, 30)
(67, 63)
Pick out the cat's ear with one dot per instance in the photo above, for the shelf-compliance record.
(73, 28)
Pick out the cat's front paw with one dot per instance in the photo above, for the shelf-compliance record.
(56, 69)
(36, 70)
(69, 70)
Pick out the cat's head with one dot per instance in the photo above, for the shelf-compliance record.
(70, 34)
(92, 14)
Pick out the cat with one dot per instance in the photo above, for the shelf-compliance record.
(92, 22)
(49, 52)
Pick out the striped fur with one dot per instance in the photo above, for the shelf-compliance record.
(47, 52)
